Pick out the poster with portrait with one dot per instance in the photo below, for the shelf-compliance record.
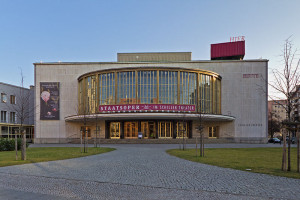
(49, 100)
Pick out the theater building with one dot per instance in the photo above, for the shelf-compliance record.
(161, 96)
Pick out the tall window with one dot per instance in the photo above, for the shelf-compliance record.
(147, 87)
(213, 132)
(107, 89)
(12, 117)
(3, 98)
(85, 132)
(3, 116)
(188, 87)
(91, 94)
(12, 99)
(81, 96)
(218, 97)
(126, 88)
(168, 87)
(205, 90)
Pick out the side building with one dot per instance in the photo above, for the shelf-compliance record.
(14, 100)
(277, 110)
(160, 95)
(276, 115)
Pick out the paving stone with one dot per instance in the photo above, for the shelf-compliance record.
(143, 172)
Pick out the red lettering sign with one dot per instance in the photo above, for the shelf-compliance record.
(147, 107)
(250, 75)
(236, 39)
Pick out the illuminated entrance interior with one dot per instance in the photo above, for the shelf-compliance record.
(182, 129)
(115, 130)
(165, 129)
(148, 130)
(131, 129)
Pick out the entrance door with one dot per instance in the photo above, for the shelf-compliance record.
(115, 130)
(148, 129)
(182, 129)
(131, 129)
(165, 130)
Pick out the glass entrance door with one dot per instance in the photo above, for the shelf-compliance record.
(115, 130)
(165, 129)
(148, 129)
(131, 129)
(182, 129)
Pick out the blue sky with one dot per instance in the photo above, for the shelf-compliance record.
(95, 30)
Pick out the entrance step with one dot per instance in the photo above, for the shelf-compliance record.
(153, 141)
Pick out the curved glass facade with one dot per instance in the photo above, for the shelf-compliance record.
(150, 86)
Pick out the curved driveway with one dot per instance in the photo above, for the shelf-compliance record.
(140, 172)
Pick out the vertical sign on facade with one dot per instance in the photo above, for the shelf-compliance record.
(49, 100)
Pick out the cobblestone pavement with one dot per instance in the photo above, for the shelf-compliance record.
(140, 172)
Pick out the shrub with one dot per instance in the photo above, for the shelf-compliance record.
(9, 144)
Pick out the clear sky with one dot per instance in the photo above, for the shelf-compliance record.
(95, 31)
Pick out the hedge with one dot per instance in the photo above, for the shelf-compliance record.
(9, 144)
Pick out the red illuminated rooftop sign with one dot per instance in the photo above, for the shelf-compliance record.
(146, 107)
(233, 50)
(236, 39)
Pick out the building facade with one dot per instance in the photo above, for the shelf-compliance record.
(15, 100)
(277, 110)
(157, 95)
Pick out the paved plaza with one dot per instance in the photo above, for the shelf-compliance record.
(140, 172)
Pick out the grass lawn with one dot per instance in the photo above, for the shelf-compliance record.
(41, 154)
(259, 160)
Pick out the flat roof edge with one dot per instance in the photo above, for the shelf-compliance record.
(7, 84)
(156, 52)
(193, 61)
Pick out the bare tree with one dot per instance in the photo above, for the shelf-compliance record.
(200, 129)
(23, 112)
(182, 130)
(286, 81)
(82, 110)
(283, 164)
(201, 146)
(84, 113)
(298, 149)
(96, 131)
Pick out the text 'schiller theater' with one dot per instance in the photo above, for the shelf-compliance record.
(160, 95)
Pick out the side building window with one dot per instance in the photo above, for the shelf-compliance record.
(12, 117)
(3, 116)
(12, 99)
(3, 98)
(85, 132)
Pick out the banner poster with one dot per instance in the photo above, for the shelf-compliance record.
(49, 100)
